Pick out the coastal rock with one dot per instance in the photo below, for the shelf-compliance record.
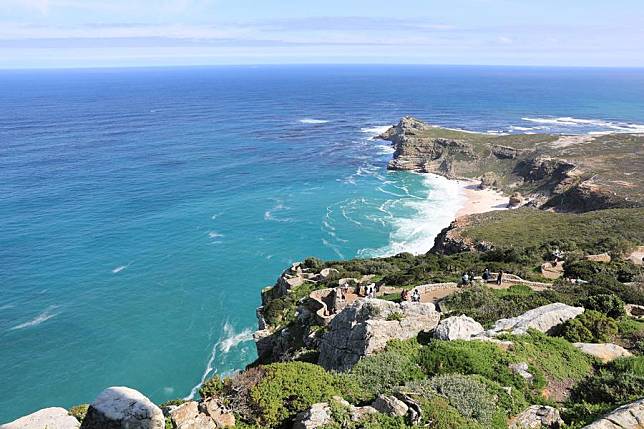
(629, 416)
(537, 416)
(122, 407)
(221, 416)
(542, 319)
(605, 352)
(362, 329)
(50, 418)
(187, 416)
(458, 328)
(516, 200)
(505, 152)
(390, 405)
(317, 416)
(489, 180)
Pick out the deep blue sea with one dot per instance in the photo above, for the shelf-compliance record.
(142, 210)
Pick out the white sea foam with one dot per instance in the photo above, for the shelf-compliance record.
(6, 306)
(119, 269)
(385, 149)
(607, 125)
(430, 215)
(375, 131)
(224, 344)
(214, 234)
(313, 121)
(269, 215)
(42, 317)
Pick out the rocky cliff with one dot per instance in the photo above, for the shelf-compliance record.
(565, 173)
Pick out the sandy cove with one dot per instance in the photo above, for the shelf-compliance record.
(477, 200)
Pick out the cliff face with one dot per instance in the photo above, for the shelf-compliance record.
(564, 173)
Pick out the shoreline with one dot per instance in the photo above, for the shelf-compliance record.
(478, 200)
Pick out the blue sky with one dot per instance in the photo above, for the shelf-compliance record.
(91, 33)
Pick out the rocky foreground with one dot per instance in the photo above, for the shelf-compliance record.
(552, 338)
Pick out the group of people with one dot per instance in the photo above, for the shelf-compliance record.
(468, 277)
(413, 296)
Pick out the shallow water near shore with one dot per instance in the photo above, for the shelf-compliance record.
(143, 210)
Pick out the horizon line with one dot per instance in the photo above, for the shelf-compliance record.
(297, 64)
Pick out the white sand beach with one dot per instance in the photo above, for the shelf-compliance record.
(478, 200)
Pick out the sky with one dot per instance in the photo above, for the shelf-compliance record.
(118, 33)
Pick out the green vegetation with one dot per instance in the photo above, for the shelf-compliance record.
(468, 395)
(589, 327)
(79, 411)
(288, 388)
(211, 387)
(618, 382)
(613, 230)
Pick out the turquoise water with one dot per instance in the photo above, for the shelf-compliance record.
(143, 210)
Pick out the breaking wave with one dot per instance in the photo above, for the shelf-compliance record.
(584, 125)
(42, 317)
(313, 121)
(223, 345)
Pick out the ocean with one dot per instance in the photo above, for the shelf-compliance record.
(143, 210)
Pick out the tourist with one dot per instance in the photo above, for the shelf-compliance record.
(415, 296)
(499, 278)
(404, 295)
(465, 279)
(487, 275)
(471, 278)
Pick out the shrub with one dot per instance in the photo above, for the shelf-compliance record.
(79, 411)
(553, 357)
(438, 414)
(616, 383)
(384, 371)
(396, 315)
(590, 326)
(468, 395)
(313, 263)
(288, 388)
(469, 357)
(609, 304)
(211, 387)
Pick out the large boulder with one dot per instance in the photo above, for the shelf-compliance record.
(458, 328)
(542, 319)
(390, 405)
(366, 326)
(537, 416)
(629, 416)
(122, 407)
(187, 416)
(50, 418)
(605, 352)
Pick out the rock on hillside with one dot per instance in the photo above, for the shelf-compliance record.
(367, 325)
(630, 416)
(458, 328)
(122, 407)
(604, 352)
(541, 318)
(50, 418)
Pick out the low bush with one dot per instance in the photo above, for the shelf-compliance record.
(609, 304)
(554, 357)
(288, 388)
(469, 357)
(616, 383)
(589, 327)
(385, 371)
(439, 414)
(468, 395)
(211, 387)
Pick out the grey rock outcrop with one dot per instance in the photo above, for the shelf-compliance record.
(458, 328)
(521, 368)
(122, 407)
(187, 416)
(317, 416)
(605, 352)
(516, 200)
(542, 319)
(50, 418)
(629, 416)
(366, 326)
(390, 405)
(537, 416)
